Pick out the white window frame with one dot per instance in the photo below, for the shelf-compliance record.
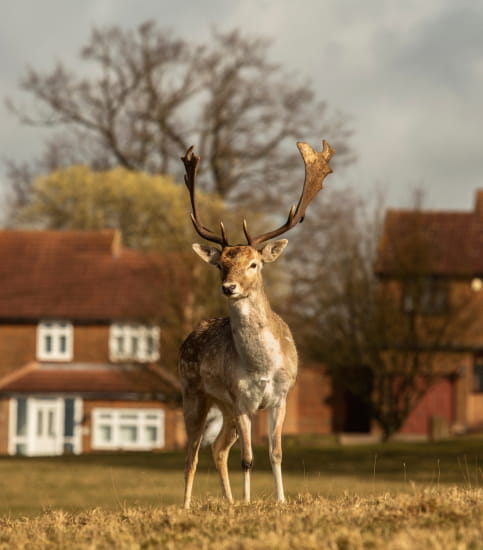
(113, 418)
(55, 330)
(130, 332)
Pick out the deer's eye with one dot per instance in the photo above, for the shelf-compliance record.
(253, 265)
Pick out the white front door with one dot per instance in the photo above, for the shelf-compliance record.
(46, 417)
(45, 425)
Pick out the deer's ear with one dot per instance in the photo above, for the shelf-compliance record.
(271, 251)
(208, 254)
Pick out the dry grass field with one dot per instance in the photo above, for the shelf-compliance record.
(397, 496)
(444, 519)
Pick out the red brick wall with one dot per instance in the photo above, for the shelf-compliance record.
(17, 346)
(314, 412)
(91, 343)
(437, 402)
(174, 431)
(4, 421)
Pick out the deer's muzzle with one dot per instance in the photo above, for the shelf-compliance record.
(229, 288)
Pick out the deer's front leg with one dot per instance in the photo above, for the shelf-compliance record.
(276, 417)
(244, 427)
(221, 448)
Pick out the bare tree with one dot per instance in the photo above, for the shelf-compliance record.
(380, 334)
(146, 95)
(126, 105)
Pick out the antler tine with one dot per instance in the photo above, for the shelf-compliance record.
(191, 162)
(223, 234)
(316, 169)
(247, 235)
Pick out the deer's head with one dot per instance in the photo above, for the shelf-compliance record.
(240, 265)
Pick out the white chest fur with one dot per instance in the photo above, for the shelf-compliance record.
(258, 348)
(261, 359)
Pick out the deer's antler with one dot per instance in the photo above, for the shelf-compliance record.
(191, 161)
(316, 168)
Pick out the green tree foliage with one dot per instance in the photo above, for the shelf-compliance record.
(152, 212)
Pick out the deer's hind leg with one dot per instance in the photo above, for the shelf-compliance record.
(195, 410)
(221, 449)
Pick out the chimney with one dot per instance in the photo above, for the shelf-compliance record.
(116, 245)
(479, 204)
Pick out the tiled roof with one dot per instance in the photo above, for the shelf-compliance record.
(140, 380)
(81, 275)
(437, 242)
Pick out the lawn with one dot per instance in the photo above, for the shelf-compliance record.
(382, 497)
(111, 481)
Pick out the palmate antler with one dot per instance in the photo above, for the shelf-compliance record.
(316, 169)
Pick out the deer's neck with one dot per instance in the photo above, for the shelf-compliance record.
(253, 325)
(250, 312)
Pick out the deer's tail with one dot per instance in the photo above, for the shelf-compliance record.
(214, 423)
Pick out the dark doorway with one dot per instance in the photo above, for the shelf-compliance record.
(351, 400)
(357, 413)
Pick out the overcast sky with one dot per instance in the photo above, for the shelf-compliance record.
(408, 74)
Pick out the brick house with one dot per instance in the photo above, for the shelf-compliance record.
(80, 357)
(81, 342)
(452, 272)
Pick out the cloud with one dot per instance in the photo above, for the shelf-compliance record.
(409, 74)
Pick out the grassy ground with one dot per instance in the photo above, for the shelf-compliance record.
(398, 495)
(428, 520)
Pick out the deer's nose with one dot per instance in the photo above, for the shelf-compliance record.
(228, 288)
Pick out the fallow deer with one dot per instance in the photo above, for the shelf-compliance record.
(248, 360)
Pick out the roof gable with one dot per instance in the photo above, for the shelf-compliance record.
(81, 275)
(446, 243)
(145, 380)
